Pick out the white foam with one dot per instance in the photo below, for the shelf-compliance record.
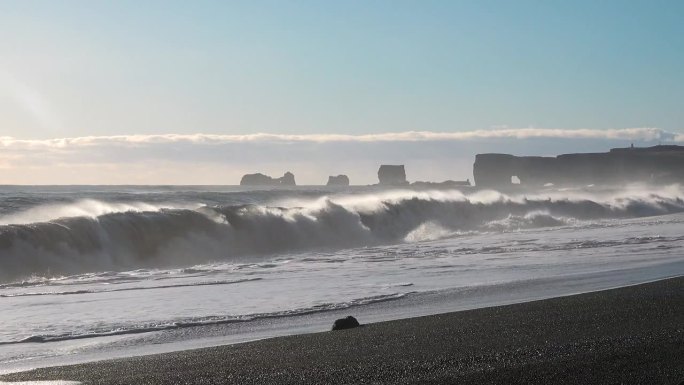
(427, 231)
(90, 208)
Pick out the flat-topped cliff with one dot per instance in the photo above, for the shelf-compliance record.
(340, 180)
(392, 175)
(657, 164)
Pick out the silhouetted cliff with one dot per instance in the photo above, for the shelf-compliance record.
(658, 164)
(259, 179)
(287, 179)
(392, 175)
(340, 180)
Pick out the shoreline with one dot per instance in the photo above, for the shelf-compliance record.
(632, 334)
(416, 304)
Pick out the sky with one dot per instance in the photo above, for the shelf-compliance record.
(178, 92)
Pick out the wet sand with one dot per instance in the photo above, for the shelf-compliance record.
(632, 335)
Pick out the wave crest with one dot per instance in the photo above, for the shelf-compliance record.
(163, 237)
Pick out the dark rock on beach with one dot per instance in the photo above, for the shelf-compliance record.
(345, 323)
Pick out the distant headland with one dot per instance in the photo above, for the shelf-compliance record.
(657, 165)
(660, 164)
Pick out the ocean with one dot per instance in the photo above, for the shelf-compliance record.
(93, 272)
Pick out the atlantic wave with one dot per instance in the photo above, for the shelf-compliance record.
(164, 237)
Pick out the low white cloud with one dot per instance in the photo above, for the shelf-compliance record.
(636, 134)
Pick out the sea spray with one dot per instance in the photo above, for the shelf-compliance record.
(112, 236)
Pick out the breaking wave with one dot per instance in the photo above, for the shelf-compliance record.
(142, 236)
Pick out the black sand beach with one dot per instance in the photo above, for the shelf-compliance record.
(632, 335)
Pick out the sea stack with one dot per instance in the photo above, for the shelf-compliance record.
(340, 180)
(257, 179)
(287, 179)
(260, 179)
(392, 175)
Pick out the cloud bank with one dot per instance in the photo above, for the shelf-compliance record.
(636, 134)
(222, 159)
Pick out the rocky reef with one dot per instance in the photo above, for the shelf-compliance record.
(445, 184)
(259, 179)
(340, 180)
(392, 175)
(657, 165)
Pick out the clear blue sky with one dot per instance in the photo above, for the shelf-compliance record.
(74, 68)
